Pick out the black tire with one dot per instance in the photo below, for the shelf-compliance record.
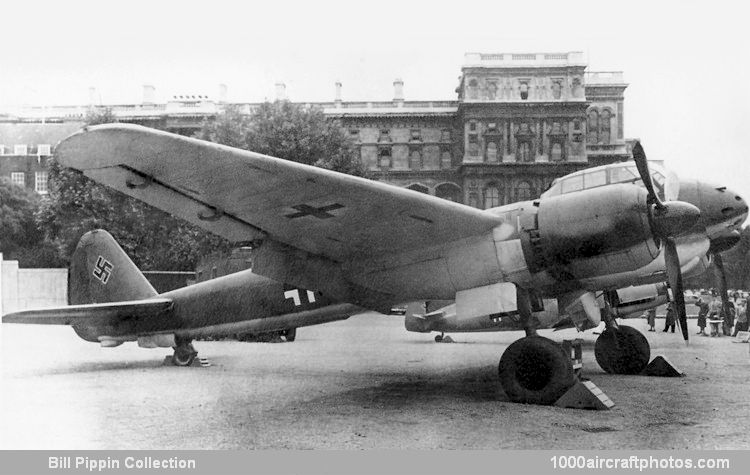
(183, 357)
(290, 334)
(622, 350)
(438, 338)
(535, 370)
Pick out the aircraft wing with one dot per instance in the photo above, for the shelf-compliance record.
(92, 314)
(245, 196)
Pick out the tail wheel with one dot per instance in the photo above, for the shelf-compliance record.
(535, 370)
(622, 350)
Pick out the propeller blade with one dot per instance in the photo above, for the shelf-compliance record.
(674, 275)
(639, 156)
(722, 283)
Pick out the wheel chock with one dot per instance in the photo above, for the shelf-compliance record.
(660, 366)
(585, 395)
(446, 339)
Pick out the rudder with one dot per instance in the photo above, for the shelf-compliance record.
(100, 271)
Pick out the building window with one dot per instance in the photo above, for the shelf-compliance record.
(448, 191)
(524, 151)
(524, 89)
(419, 188)
(18, 178)
(492, 152)
(491, 196)
(556, 88)
(384, 157)
(415, 160)
(555, 154)
(385, 135)
(473, 200)
(593, 127)
(20, 150)
(40, 182)
(445, 135)
(491, 90)
(416, 135)
(445, 160)
(604, 127)
(473, 89)
(523, 191)
(43, 150)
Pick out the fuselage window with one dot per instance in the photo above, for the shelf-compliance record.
(594, 179)
(573, 183)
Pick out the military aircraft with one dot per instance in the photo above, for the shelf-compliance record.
(112, 302)
(374, 245)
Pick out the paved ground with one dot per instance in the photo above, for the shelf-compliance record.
(361, 383)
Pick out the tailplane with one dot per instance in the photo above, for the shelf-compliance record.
(101, 272)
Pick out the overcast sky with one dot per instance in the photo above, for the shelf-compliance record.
(687, 62)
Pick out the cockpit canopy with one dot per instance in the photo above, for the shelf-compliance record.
(606, 175)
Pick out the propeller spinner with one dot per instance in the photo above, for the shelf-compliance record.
(668, 220)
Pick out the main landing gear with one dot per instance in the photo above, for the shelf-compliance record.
(535, 370)
(184, 352)
(621, 349)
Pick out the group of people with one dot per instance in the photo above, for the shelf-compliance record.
(734, 317)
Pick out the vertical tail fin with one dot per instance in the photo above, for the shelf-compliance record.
(101, 272)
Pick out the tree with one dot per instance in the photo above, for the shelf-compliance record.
(20, 237)
(290, 131)
(151, 237)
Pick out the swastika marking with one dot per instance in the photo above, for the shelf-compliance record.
(103, 269)
(320, 213)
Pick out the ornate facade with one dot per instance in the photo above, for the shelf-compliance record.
(519, 121)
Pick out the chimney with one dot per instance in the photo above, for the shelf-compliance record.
(280, 91)
(398, 91)
(149, 94)
(338, 93)
(222, 93)
(92, 96)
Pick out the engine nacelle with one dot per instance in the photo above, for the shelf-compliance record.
(593, 232)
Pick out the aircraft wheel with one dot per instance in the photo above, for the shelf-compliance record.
(290, 334)
(622, 350)
(184, 355)
(438, 338)
(535, 370)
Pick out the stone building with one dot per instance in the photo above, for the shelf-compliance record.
(518, 122)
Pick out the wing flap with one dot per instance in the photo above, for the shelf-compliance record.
(92, 314)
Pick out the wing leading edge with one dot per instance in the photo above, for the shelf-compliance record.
(245, 196)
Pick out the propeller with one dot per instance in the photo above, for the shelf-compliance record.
(668, 220)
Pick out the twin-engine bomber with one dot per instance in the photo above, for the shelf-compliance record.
(362, 244)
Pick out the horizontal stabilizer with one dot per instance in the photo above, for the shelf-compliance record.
(92, 314)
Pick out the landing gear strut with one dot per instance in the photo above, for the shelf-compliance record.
(621, 349)
(184, 353)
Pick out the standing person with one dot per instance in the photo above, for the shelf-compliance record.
(671, 317)
(702, 313)
(728, 318)
(651, 318)
(741, 317)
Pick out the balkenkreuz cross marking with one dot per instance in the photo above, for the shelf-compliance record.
(320, 213)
